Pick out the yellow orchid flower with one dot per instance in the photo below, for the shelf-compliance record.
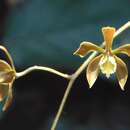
(7, 77)
(107, 61)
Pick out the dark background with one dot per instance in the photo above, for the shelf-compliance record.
(46, 32)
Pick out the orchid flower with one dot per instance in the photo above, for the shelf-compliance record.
(107, 62)
(7, 77)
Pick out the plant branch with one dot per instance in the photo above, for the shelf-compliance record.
(77, 73)
(33, 68)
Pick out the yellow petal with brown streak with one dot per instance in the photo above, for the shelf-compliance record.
(93, 70)
(7, 74)
(3, 91)
(122, 72)
(4, 66)
(86, 47)
(8, 100)
(108, 33)
(7, 77)
(125, 49)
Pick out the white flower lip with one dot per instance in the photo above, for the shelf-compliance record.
(108, 65)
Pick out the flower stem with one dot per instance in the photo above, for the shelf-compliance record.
(33, 68)
(70, 84)
(77, 73)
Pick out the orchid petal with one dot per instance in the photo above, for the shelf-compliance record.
(6, 77)
(3, 91)
(8, 100)
(122, 72)
(93, 70)
(4, 66)
(6, 72)
(125, 49)
(86, 47)
(108, 33)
